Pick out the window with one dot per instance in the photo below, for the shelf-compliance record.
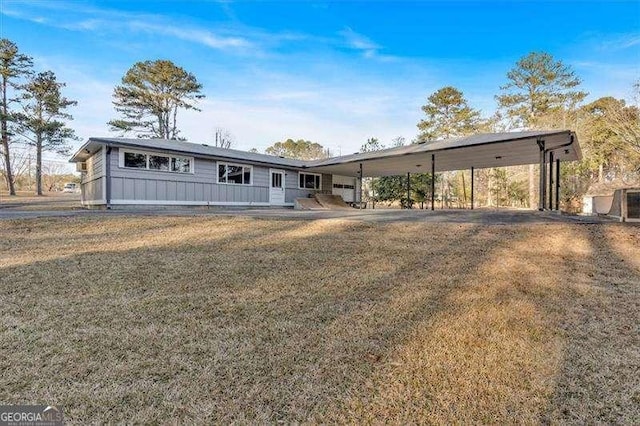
(276, 180)
(180, 164)
(309, 181)
(156, 162)
(234, 174)
(135, 160)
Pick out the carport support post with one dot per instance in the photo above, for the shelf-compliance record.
(408, 189)
(472, 170)
(550, 180)
(558, 185)
(541, 198)
(433, 180)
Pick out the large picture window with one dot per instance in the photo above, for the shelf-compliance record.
(309, 181)
(156, 162)
(237, 174)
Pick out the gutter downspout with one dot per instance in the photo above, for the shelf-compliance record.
(541, 184)
(107, 176)
(557, 181)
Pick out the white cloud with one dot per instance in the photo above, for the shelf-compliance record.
(358, 41)
(78, 18)
(619, 42)
(362, 43)
(196, 35)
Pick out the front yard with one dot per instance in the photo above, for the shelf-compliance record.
(204, 319)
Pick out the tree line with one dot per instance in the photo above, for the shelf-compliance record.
(539, 92)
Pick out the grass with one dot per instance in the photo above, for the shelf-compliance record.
(27, 200)
(158, 319)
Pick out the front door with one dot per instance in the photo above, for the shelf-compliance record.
(276, 187)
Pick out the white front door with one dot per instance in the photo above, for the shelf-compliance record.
(276, 187)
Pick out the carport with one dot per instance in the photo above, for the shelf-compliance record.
(546, 148)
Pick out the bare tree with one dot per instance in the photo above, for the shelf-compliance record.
(624, 121)
(223, 138)
(53, 175)
(19, 162)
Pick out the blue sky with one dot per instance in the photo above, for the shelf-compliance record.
(333, 72)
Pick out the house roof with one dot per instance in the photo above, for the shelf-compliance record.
(186, 148)
(479, 151)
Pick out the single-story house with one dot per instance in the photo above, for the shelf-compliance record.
(120, 171)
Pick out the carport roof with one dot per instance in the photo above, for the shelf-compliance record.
(479, 151)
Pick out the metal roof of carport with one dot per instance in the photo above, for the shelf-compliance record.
(478, 151)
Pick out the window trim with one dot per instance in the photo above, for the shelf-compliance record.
(225, 163)
(122, 151)
(309, 173)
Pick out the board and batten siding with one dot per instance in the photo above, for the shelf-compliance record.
(132, 186)
(93, 181)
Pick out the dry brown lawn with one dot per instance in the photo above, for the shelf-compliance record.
(27, 200)
(196, 319)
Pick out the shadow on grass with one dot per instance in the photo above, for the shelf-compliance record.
(259, 321)
(599, 380)
(245, 327)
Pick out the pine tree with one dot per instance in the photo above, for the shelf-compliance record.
(13, 66)
(448, 115)
(150, 96)
(538, 90)
(536, 86)
(42, 123)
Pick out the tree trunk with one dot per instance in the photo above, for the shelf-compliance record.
(464, 190)
(601, 173)
(5, 140)
(489, 188)
(39, 164)
(532, 187)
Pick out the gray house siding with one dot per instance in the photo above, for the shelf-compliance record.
(92, 184)
(131, 186)
(293, 191)
(128, 186)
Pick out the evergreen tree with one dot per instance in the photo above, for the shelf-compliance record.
(150, 96)
(448, 115)
(42, 123)
(13, 66)
(540, 92)
(536, 86)
(300, 149)
(372, 144)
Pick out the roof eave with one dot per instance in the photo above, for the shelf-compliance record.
(299, 164)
